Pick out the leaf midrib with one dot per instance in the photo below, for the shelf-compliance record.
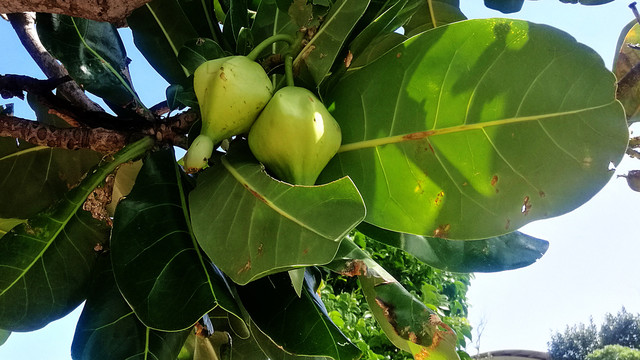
(242, 180)
(358, 145)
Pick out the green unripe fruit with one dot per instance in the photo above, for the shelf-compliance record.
(295, 136)
(231, 92)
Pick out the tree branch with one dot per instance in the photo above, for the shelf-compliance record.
(114, 11)
(24, 26)
(102, 140)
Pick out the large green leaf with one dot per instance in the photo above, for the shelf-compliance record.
(160, 28)
(33, 177)
(92, 52)
(300, 325)
(157, 264)
(268, 225)
(473, 129)
(45, 262)
(406, 321)
(505, 252)
(108, 328)
(320, 53)
(433, 14)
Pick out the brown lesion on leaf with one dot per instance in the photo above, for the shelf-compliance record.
(260, 249)
(96, 203)
(526, 205)
(418, 135)
(442, 231)
(389, 313)
(508, 224)
(348, 59)
(354, 268)
(255, 193)
(439, 197)
(246, 267)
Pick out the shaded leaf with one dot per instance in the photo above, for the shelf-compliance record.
(160, 28)
(426, 17)
(123, 183)
(320, 53)
(33, 177)
(180, 95)
(245, 42)
(268, 225)
(46, 261)
(406, 321)
(92, 52)
(627, 69)
(109, 329)
(159, 269)
(504, 6)
(506, 252)
(197, 51)
(315, 333)
(433, 131)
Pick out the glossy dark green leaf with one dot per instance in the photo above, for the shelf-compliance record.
(268, 225)
(196, 51)
(33, 177)
(160, 28)
(158, 266)
(433, 131)
(92, 52)
(406, 321)
(322, 50)
(45, 262)
(300, 325)
(108, 329)
(274, 351)
(505, 252)
(181, 95)
(505, 6)
(238, 17)
(245, 42)
(270, 20)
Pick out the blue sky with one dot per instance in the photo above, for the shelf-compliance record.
(590, 268)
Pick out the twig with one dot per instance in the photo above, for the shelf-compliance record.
(114, 11)
(633, 8)
(23, 24)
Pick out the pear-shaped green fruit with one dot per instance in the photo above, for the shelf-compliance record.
(231, 92)
(295, 136)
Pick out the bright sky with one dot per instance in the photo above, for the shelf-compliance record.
(590, 268)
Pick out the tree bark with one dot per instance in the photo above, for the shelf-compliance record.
(114, 11)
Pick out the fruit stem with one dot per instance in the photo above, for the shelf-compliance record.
(288, 69)
(268, 41)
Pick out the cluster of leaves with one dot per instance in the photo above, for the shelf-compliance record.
(578, 341)
(455, 134)
(441, 291)
(617, 352)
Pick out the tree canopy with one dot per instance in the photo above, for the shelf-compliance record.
(309, 126)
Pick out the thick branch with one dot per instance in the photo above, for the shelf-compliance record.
(99, 139)
(23, 24)
(102, 140)
(114, 11)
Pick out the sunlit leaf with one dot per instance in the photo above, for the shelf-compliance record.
(158, 266)
(4, 335)
(492, 122)
(268, 225)
(505, 252)
(197, 51)
(108, 328)
(8, 224)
